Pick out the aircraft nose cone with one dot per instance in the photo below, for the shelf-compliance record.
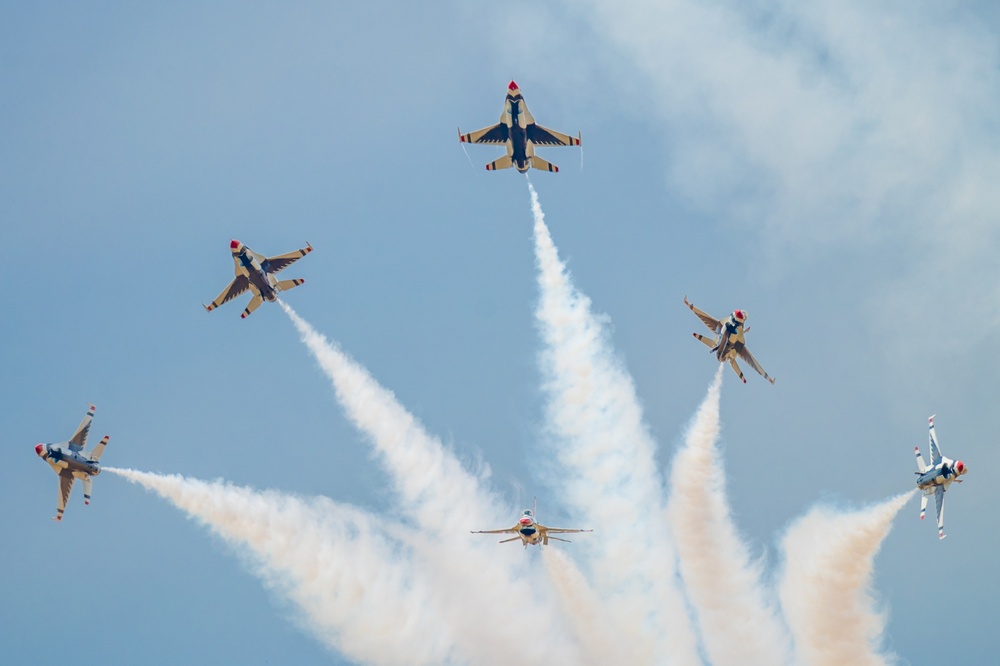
(234, 244)
(512, 86)
(526, 521)
(38, 449)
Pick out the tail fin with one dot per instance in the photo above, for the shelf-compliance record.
(921, 465)
(98, 451)
(88, 482)
(251, 306)
(542, 165)
(502, 163)
(285, 285)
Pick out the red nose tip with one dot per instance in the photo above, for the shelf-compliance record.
(234, 244)
(38, 449)
(526, 521)
(512, 86)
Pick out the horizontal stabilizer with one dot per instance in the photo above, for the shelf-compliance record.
(98, 451)
(502, 163)
(88, 482)
(285, 285)
(921, 466)
(542, 165)
(251, 306)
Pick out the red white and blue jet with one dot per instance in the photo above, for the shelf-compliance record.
(935, 479)
(728, 342)
(256, 273)
(68, 460)
(530, 532)
(519, 133)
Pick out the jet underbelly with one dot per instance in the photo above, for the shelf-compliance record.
(261, 285)
(519, 147)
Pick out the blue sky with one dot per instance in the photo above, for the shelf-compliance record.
(829, 169)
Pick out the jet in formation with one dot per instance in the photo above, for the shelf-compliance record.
(728, 343)
(530, 532)
(519, 133)
(257, 273)
(69, 461)
(934, 480)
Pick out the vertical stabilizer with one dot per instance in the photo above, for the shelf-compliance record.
(98, 451)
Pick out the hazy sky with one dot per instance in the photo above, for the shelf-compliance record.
(831, 169)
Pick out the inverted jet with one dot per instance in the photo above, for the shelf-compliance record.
(728, 343)
(519, 133)
(256, 273)
(69, 461)
(935, 479)
(531, 532)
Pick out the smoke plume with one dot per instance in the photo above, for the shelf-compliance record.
(826, 587)
(356, 586)
(607, 466)
(736, 622)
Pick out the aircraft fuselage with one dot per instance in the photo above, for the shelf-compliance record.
(941, 475)
(75, 462)
(529, 535)
(517, 124)
(260, 280)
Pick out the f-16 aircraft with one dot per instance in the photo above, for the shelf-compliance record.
(517, 130)
(936, 478)
(530, 532)
(728, 343)
(257, 273)
(69, 461)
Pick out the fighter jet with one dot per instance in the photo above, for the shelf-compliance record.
(69, 461)
(936, 478)
(530, 532)
(256, 273)
(728, 342)
(517, 130)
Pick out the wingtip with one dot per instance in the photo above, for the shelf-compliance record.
(208, 308)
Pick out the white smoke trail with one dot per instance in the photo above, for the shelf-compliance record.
(737, 623)
(485, 586)
(586, 611)
(608, 470)
(432, 484)
(826, 587)
(356, 589)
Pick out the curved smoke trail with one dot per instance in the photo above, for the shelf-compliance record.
(737, 623)
(485, 586)
(608, 469)
(826, 587)
(356, 588)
